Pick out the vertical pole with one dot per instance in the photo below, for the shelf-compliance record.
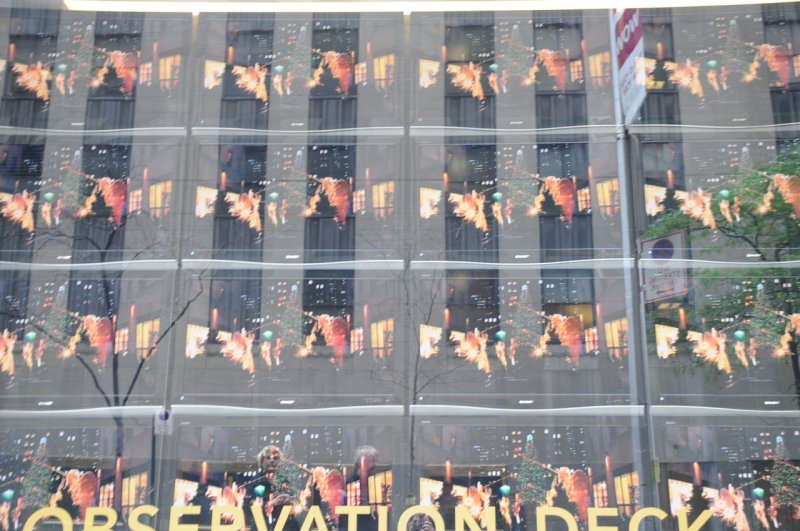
(402, 478)
(634, 309)
(165, 446)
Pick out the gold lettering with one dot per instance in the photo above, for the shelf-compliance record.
(352, 512)
(220, 510)
(314, 518)
(543, 512)
(286, 511)
(108, 514)
(258, 518)
(383, 518)
(175, 514)
(641, 514)
(49, 512)
(430, 512)
(697, 525)
(133, 520)
(602, 512)
(464, 516)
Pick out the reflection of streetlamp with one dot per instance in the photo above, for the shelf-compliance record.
(99, 494)
(697, 473)
(611, 488)
(204, 473)
(591, 485)
(118, 483)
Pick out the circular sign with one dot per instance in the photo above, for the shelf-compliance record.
(662, 250)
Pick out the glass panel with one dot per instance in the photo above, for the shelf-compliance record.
(84, 338)
(311, 338)
(509, 338)
(278, 263)
(263, 464)
(75, 464)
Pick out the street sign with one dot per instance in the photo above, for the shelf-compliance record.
(628, 46)
(162, 423)
(664, 276)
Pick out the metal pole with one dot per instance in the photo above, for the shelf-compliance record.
(634, 309)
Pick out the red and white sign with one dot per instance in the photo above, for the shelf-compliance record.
(664, 274)
(629, 49)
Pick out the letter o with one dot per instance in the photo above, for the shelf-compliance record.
(49, 512)
(431, 512)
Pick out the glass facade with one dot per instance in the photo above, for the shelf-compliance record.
(260, 269)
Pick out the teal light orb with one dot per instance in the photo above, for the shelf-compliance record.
(493, 67)
(49, 197)
(62, 68)
(267, 334)
(497, 196)
(505, 490)
(712, 63)
(739, 335)
(30, 336)
(279, 69)
(8, 495)
(260, 490)
(273, 196)
(500, 335)
(725, 194)
(758, 493)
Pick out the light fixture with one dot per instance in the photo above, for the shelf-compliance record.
(287, 402)
(381, 6)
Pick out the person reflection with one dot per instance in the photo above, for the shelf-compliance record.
(447, 503)
(366, 460)
(201, 500)
(518, 520)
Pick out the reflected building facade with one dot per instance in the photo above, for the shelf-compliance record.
(391, 259)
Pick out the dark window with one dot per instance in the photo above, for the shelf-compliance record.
(100, 227)
(561, 239)
(782, 29)
(470, 47)
(334, 49)
(249, 52)
(90, 295)
(663, 174)
(330, 230)
(99, 231)
(569, 293)
(471, 172)
(473, 302)
(31, 56)
(560, 98)
(241, 171)
(115, 70)
(20, 171)
(235, 302)
(662, 103)
(328, 312)
(14, 287)
(662, 163)
(560, 110)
